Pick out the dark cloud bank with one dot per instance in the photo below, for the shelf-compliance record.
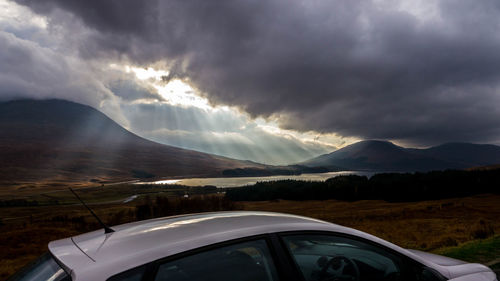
(356, 68)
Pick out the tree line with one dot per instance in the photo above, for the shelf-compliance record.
(392, 187)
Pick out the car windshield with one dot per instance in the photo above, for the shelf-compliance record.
(44, 268)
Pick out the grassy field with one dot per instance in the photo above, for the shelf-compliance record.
(466, 228)
(426, 225)
(485, 251)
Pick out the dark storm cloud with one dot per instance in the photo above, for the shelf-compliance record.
(29, 71)
(358, 68)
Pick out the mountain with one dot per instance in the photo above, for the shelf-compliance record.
(466, 154)
(60, 141)
(386, 156)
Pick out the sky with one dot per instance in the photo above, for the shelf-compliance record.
(275, 81)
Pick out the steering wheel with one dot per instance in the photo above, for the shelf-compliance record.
(335, 269)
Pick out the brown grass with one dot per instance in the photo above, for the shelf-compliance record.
(424, 225)
(26, 231)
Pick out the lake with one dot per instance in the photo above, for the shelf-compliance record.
(242, 181)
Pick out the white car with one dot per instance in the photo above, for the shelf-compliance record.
(241, 246)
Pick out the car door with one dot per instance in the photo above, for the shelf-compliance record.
(330, 256)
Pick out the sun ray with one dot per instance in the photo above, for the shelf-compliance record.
(257, 139)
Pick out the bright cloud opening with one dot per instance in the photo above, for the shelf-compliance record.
(176, 92)
(147, 73)
(186, 119)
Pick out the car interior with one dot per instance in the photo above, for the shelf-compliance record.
(241, 262)
(333, 258)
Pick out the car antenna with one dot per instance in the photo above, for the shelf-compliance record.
(107, 229)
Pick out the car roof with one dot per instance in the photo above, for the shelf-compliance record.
(96, 254)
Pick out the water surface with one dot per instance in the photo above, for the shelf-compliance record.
(242, 181)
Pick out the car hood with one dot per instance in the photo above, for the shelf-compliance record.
(457, 268)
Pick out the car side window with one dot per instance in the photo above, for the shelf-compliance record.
(247, 261)
(329, 257)
(134, 274)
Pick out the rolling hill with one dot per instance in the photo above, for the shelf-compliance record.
(386, 156)
(57, 140)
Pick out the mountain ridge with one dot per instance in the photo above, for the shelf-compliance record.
(386, 156)
(62, 141)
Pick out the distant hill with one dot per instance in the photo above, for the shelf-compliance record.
(386, 156)
(485, 168)
(58, 140)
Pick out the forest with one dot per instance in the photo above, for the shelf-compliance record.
(391, 187)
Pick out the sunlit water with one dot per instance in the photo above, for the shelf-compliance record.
(233, 182)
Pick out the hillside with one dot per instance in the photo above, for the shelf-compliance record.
(56, 140)
(386, 156)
